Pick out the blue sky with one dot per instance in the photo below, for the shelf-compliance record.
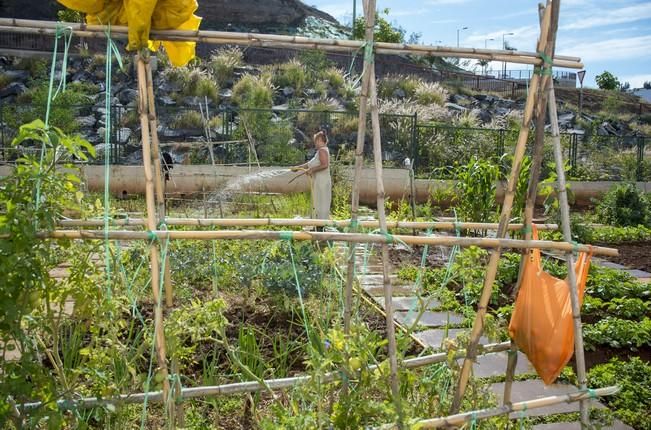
(613, 35)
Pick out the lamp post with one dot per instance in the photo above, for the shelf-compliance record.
(354, 18)
(459, 31)
(486, 47)
(504, 47)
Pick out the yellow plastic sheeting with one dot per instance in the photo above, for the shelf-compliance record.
(143, 15)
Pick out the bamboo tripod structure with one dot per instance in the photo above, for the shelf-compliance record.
(540, 87)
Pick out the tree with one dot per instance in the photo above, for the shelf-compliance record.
(384, 30)
(646, 85)
(607, 81)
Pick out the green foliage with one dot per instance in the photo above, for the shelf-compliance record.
(32, 198)
(624, 205)
(632, 403)
(608, 284)
(69, 15)
(620, 307)
(611, 234)
(64, 107)
(193, 82)
(277, 150)
(388, 86)
(188, 119)
(223, 62)
(253, 92)
(427, 93)
(607, 81)
(384, 31)
(291, 74)
(476, 186)
(618, 333)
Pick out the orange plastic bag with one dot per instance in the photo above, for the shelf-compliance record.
(541, 324)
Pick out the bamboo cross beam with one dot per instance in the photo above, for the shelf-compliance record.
(250, 386)
(449, 241)
(491, 269)
(10, 25)
(302, 222)
(459, 419)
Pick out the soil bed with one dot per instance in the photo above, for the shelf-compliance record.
(634, 255)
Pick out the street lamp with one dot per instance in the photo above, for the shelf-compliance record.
(486, 47)
(504, 47)
(459, 31)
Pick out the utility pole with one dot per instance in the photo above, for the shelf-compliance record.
(459, 31)
(504, 47)
(486, 47)
(352, 26)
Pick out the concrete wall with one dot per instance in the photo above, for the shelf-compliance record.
(198, 178)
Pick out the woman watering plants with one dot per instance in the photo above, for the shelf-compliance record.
(318, 171)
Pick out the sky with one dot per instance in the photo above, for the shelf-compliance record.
(612, 35)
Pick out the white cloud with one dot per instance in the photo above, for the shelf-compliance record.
(609, 50)
(636, 81)
(338, 10)
(523, 38)
(446, 2)
(610, 17)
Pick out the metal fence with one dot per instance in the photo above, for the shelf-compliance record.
(283, 137)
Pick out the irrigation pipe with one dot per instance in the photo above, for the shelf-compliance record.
(323, 236)
(458, 419)
(249, 386)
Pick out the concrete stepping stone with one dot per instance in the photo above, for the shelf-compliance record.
(398, 290)
(617, 425)
(429, 318)
(535, 389)
(609, 264)
(491, 365)
(403, 303)
(434, 337)
(377, 279)
(638, 273)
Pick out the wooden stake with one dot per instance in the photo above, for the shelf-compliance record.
(532, 190)
(567, 234)
(388, 289)
(491, 270)
(357, 175)
(302, 222)
(159, 334)
(11, 25)
(250, 386)
(481, 242)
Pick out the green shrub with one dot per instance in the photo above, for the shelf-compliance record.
(633, 402)
(476, 188)
(291, 74)
(608, 284)
(188, 120)
(624, 205)
(253, 92)
(223, 62)
(618, 333)
(388, 85)
(427, 93)
(274, 147)
(335, 78)
(193, 82)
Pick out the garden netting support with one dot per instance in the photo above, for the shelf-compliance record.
(156, 233)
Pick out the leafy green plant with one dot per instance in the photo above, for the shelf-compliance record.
(253, 91)
(624, 205)
(618, 333)
(223, 62)
(187, 120)
(632, 403)
(607, 81)
(427, 93)
(384, 31)
(291, 74)
(476, 186)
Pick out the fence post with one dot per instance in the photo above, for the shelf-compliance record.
(414, 139)
(500, 143)
(640, 158)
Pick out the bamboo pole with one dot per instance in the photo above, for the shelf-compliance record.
(302, 222)
(567, 233)
(534, 177)
(388, 288)
(482, 242)
(176, 414)
(290, 42)
(250, 386)
(357, 174)
(159, 334)
(456, 420)
(507, 205)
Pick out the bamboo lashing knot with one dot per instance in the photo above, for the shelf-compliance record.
(369, 55)
(151, 236)
(286, 235)
(389, 237)
(526, 229)
(575, 246)
(546, 69)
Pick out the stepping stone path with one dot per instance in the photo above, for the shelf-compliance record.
(435, 326)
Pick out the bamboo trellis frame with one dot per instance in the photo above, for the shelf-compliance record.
(148, 121)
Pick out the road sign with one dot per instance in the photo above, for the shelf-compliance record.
(581, 75)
